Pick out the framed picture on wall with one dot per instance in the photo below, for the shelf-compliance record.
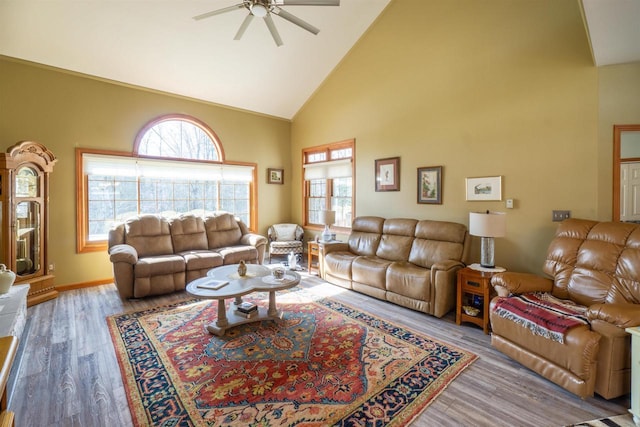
(275, 176)
(388, 174)
(484, 188)
(430, 185)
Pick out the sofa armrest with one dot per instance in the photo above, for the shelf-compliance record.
(443, 282)
(124, 258)
(507, 283)
(253, 239)
(446, 265)
(258, 241)
(620, 315)
(329, 247)
(123, 253)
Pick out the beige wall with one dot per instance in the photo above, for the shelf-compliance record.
(619, 88)
(64, 111)
(482, 88)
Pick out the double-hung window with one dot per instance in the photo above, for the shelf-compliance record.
(177, 167)
(328, 183)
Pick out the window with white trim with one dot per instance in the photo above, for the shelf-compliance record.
(328, 183)
(186, 174)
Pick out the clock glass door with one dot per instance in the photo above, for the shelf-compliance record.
(27, 238)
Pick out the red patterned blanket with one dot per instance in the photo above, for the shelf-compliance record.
(542, 313)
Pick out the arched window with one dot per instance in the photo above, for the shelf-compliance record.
(177, 167)
(178, 137)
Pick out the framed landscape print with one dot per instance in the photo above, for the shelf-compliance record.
(484, 188)
(275, 176)
(430, 185)
(388, 174)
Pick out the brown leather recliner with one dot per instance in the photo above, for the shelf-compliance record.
(154, 255)
(597, 266)
(405, 261)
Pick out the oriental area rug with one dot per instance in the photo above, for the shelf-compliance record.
(324, 363)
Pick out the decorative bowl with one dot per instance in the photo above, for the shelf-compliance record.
(471, 311)
(278, 273)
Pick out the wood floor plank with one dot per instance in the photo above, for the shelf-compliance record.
(69, 374)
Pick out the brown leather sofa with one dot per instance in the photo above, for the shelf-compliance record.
(154, 255)
(405, 261)
(597, 266)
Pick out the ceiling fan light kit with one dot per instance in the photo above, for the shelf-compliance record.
(265, 8)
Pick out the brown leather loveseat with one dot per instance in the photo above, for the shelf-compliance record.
(153, 255)
(596, 267)
(405, 261)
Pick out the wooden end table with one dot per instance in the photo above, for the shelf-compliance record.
(313, 250)
(474, 289)
(258, 278)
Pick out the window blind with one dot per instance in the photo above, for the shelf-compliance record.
(328, 170)
(97, 164)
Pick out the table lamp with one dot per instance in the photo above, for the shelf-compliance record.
(327, 218)
(487, 225)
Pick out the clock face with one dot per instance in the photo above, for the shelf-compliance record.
(27, 182)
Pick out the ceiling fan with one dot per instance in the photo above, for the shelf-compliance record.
(265, 8)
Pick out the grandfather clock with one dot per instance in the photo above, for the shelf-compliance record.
(24, 217)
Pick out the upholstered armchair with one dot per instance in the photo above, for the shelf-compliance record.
(284, 239)
(570, 327)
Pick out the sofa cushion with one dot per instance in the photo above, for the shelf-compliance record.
(404, 278)
(285, 232)
(200, 260)
(584, 257)
(222, 230)
(437, 241)
(159, 265)
(370, 270)
(396, 239)
(575, 355)
(235, 254)
(188, 233)
(150, 235)
(365, 235)
(338, 264)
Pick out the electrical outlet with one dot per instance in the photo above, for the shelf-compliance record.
(558, 216)
(52, 266)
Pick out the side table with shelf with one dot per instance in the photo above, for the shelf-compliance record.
(313, 250)
(474, 289)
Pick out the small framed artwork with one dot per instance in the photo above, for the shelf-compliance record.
(388, 174)
(275, 176)
(484, 188)
(430, 185)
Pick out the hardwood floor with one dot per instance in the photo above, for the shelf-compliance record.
(69, 375)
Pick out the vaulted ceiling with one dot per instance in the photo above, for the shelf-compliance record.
(158, 44)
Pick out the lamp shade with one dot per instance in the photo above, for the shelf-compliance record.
(327, 217)
(487, 224)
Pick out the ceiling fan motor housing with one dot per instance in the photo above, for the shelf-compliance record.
(259, 8)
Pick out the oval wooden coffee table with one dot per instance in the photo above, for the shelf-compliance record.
(258, 278)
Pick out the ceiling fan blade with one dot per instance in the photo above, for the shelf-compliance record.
(295, 20)
(307, 2)
(219, 11)
(273, 30)
(243, 26)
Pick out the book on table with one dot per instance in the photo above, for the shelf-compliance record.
(247, 315)
(213, 284)
(247, 307)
